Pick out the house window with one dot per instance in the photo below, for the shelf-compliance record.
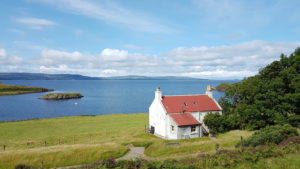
(172, 128)
(193, 129)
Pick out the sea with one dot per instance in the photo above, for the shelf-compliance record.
(100, 97)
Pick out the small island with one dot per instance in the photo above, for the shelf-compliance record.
(61, 96)
(6, 89)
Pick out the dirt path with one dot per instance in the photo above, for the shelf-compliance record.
(134, 152)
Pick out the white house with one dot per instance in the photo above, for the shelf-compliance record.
(181, 117)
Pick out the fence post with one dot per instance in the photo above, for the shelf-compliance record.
(45, 143)
(242, 143)
(4, 146)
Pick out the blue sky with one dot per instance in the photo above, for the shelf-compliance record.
(215, 39)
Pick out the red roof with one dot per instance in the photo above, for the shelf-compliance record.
(184, 119)
(189, 103)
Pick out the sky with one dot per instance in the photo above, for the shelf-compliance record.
(212, 39)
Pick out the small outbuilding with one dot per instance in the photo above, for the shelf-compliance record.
(181, 116)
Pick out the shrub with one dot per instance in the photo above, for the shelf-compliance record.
(216, 123)
(270, 134)
(294, 120)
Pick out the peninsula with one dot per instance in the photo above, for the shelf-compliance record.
(6, 89)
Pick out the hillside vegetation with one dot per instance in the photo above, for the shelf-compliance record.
(6, 89)
(271, 97)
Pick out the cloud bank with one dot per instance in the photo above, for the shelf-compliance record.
(234, 61)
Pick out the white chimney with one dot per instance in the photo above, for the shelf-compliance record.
(209, 92)
(158, 94)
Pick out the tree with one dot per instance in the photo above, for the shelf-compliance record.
(215, 123)
(268, 98)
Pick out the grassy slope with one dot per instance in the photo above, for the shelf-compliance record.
(16, 89)
(77, 140)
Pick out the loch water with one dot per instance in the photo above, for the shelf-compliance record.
(100, 97)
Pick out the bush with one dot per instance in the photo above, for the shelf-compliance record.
(270, 134)
(294, 120)
(216, 123)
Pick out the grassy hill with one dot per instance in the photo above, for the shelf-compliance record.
(6, 89)
(78, 140)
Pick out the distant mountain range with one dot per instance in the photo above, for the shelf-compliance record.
(42, 76)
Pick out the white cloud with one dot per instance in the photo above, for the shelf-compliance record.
(2, 53)
(212, 62)
(52, 57)
(35, 23)
(249, 55)
(8, 60)
(114, 55)
(109, 12)
(221, 74)
(59, 68)
(109, 71)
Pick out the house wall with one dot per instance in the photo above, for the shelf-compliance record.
(171, 135)
(162, 122)
(184, 132)
(157, 118)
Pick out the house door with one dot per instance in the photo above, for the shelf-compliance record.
(152, 130)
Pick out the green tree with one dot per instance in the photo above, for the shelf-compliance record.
(268, 98)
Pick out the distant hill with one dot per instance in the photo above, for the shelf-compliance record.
(43, 76)
(135, 77)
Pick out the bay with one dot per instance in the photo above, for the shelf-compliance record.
(100, 97)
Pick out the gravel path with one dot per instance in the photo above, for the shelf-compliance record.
(134, 152)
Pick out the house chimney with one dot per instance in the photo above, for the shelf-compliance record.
(209, 92)
(158, 94)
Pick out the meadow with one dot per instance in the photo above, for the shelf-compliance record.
(82, 139)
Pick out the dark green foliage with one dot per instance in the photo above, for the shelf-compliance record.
(269, 98)
(294, 120)
(222, 87)
(216, 123)
(270, 135)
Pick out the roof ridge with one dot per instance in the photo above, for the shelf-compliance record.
(187, 95)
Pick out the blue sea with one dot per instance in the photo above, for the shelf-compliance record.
(100, 97)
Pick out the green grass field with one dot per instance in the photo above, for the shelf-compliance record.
(77, 140)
